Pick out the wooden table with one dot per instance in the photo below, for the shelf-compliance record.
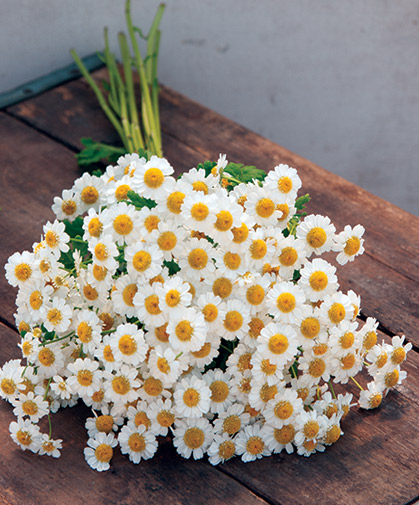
(376, 462)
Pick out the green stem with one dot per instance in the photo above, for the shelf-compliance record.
(50, 426)
(113, 98)
(357, 383)
(47, 342)
(78, 240)
(331, 389)
(47, 388)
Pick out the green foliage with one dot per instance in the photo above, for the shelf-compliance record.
(172, 266)
(95, 152)
(301, 201)
(207, 166)
(244, 173)
(138, 201)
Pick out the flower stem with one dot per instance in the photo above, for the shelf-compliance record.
(357, 383)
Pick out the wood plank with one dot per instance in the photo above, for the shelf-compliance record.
(70, 112)
(27, 479)
(380, 277)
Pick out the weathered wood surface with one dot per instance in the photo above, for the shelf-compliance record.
(376, 462)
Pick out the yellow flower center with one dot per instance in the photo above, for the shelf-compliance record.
(318, 281)
(278, 343)
(255, 445)
(153, 178)
(288, 256)
(127, 345)
(84, 332)
(232, 260)
(98, 396)
(51, 238)
(153, 387)
(320, 349)
(210, 312)
(85, 377)
(44, 266)
(316, 367)
(136, 442)
(191, 397)
(370, 340)
(258, 249)
(284, 184)
(151, 304)
(123, 224)
(337, 313)
(163, 365)
(222, 287)
(69, 207)
(46, 357)
(332, 434)
(198, 259)
(283, 410)
(286, 302)
(121, 385)
(167, 241)
(398, 356)
(172, 298)
(104, 453)
(224, 221)
(244, 363)
(101, 252)
(141, 261)
(194, 438)
(267, 392)
(48, 446)
(121, 192)
(233, 320)
(184, 331)
(352, 246)
(226, 449)
(375, 400)
(161, 334)
(199, 211)
(347, 340)
(203, 352)
(23, 437)
(245, 386)
(95, 227)
(27, 348)
(267, 367)
(129, 293)
(232, 424)
(30, 408)
(99, 273)
(104, 423)
(89, 195)
(348, 361)
(265, 207)
(200, 186)
(256, 325)
(240, 234)
(284, 435)
(165, 418)
(316, 237)
(141, 419)
(151, 223)
(90, 292)
(255, 295)
(175, 201)
(310, 445)
(23, 271)
(35, 300)
(219, 391)
(311, 429)
(391, 378)
(331, 409)
(310, 327)
(283, 207)
(242, 200)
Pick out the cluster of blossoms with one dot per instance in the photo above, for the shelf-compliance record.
(196, 306)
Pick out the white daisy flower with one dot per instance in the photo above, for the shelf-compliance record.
(139, 415)
(222, 449)
(99, 452)
(315, 367)
(85, 376)
(192, 397)
(261, 393)
(108, 421)
(187, 330)
(262, 207)
(56, 239)
(49, 359)
(213, 310)
(310, 426)
(285, 301)
(26, 435)
(104, 252)
(88, 329)
(265, 370)
(29, 344)
(143, 260)
(344, 337)
(149, 179)
(230, 264)
(317, 232)
(170, 204)
(148, 221)
(128, 345)
(20, 268)
(278, 439)
(310, 327)
(356, 303)
(60, 388)
(255, 293)
(291, 254)
(174, 294)
(346, 364)
(121, 386)
(152, 388)
(232, 420)
(349, 244)
(147, 306)
(372, 397)
(166, 366)
(389, 376)
(219, 383)
(333, 431)
(93, 224)
(278, 343)
(336, 308)
(368, 334)
(169, 239)
(68, 206)
(236, 320)
(200, 181)
(162, 416)
(104, 354)
(30, 405)
(192, 437)
(198, 211)
(137, 442)
(260, 250)
(50, 447)
(205, 355)
(35, 296)
(58, 315)
(398, 351)
(91, 191)
(117, 190)
(251, 443)
(124, 295)
(196, 259)
(284, 180)
(122, 222)
(318, 279)
(240, 359)
(228, 216)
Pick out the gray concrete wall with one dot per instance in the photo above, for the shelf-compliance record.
(336, 81)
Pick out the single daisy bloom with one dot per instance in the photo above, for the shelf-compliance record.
(345, 364)
(148, 221)
(93, 224)
(310, 426)
(187, 330)
(198, 211)
(192, 437)
(20, 268)
(336, 308)
(128, 344)
(196, 259)
(152, 388)
(165, 365)
(149, 179)
(277, 343)
(30, 405)
(170, 204)
(137, 442)
(283, 409)
(200, 181)
(35, 295)
(344, 337)
(104, 354)
(147, 306)
(162, 416)
(265, 370)
(260, 250)
(60, 388)
(50, 447)
(219, 383)
(317, 232)
(284, 180)
(398, 351)
(349, 243)
(255, 293)
(58, 315)
(371, 397)
(378, 358)
(91, 191)
(121, 387)
(49, 359)
(333, 431)
(144, 260)
(174, 294)
(291, 254)
(232, 420)
(169, 239)
(310, 327)
(26, 435)
(318, 279)
(278, 439)
(56, 239)
(139, 414)
(356, 303)
(390, 376)
(251, 443)
(85, 376)
(228, 216)
(230, 264)
(88, 329)
(222, 449)
(99, 452)
(68, 206)
(122, 222)
(262, 207)
(205, 355)
(285, 301)
(368, 334)
(192, 397)
(261, 393)
(117, 190)
(213, 310)
(315, 367)
(124, 295)
(236, 320)
(104, 252)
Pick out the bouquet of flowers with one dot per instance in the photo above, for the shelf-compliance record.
(197, 307)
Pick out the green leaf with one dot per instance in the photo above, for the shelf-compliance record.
(145, 153)
(94, 152)
(245, 173)
(301, 201)
(138, 201)
(74, 228)
(172, 266)
(207, 166)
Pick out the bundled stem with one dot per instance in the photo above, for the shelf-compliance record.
(137, 130)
